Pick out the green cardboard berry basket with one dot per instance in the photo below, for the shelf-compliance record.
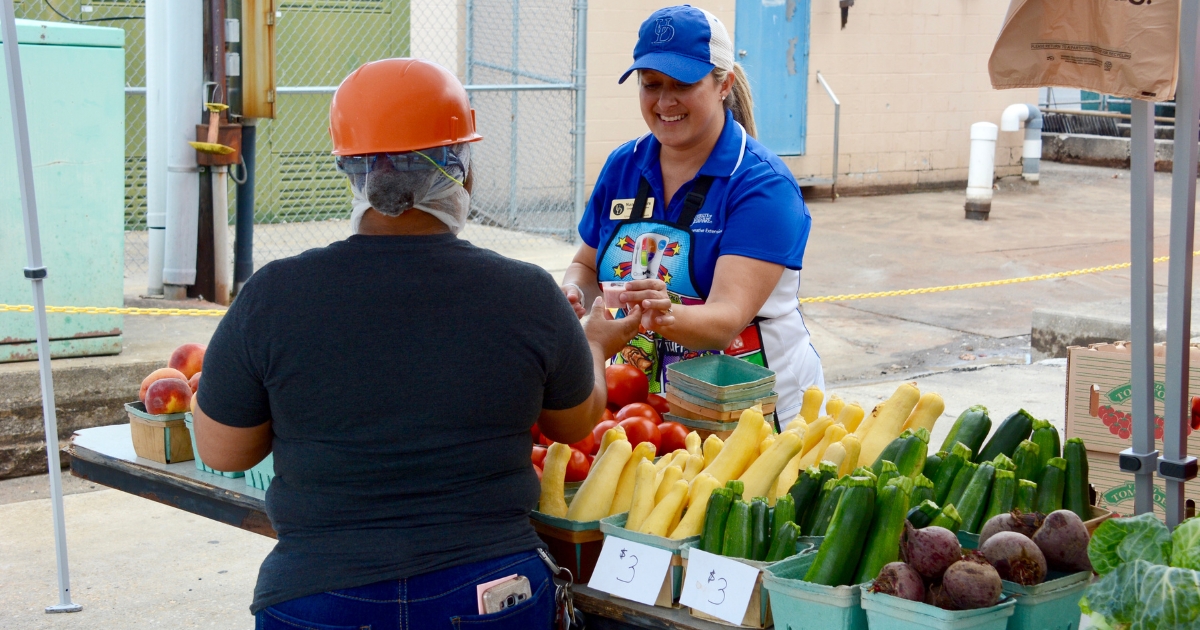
(262, 473)
(575, 545)
(798, 604)
(886, 612)
(615, 526)
(200, 465)
(1051, 605)
(721, 378)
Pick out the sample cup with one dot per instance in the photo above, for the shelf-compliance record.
(612, 294)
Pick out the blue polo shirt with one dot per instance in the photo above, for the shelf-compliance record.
(753, 209)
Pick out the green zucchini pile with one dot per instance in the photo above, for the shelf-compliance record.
(753, 531)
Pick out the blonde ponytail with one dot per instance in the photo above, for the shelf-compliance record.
(739, 101)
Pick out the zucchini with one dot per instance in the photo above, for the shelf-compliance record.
(948, 518)
(1051, 487)
(932, 462)
(1046, 437)
(887, 472)
(737, 531)
(712, 538)
(828, 508)
(863, 471)
(1004, 462)
(883, 540)
(760, 528)
(923, 514)
(1008, 435)
(783, 512)
(1028, 461)
(1075, 495)
(804, 493)
(810, 518)
(891, 451)
(951, 465)
(1026, 496)
(783, 545)
(923, 490)
(961, 481)
(911, 458)
(973, 504)
(970, 429)
(738, 487)
(840, 552)
(1004, 491)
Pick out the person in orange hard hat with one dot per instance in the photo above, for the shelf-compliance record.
(395, 378)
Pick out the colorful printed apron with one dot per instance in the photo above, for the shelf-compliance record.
(644, 249)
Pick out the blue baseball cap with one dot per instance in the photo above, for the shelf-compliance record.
(682, 42)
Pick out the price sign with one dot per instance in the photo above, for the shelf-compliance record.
(630, 570)
(718, 586)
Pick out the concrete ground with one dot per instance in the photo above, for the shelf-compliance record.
(135, 560)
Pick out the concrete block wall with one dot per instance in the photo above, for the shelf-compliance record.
(911, 76)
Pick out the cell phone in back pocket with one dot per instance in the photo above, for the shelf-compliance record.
(506, 594)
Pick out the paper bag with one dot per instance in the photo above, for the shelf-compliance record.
(1120, 47)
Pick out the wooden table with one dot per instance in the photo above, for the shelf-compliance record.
(104, 455)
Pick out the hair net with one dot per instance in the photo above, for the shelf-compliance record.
(433, 190)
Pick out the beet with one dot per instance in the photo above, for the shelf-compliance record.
(930, 550)
(1063, 539)
(935, 595)
(1015, 558)
(900, 580)
(1015, 521)
(972, 585)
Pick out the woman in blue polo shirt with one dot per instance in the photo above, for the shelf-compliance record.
(705, 224)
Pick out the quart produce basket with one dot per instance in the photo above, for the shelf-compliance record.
(798, 604)
(262, 473)
(200, 465)
(1051, 605)
(615, 526)
(968, 541)
(575, 545)
(758, 610)
(162, 438)
(705, 428)
(767, 395)
(721, 378)
(696, 411)
(885, 612)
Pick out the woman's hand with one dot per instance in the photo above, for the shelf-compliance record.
(575, 296)
(652, 297)
(609, 335)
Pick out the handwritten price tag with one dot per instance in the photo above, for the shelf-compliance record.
(630, 570)
(718, 586)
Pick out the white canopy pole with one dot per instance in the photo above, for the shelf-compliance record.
(36, 274)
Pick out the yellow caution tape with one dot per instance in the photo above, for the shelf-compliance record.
(214, 312)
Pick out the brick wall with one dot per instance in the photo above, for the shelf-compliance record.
(911, 76)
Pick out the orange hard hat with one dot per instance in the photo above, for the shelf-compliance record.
(397, 105)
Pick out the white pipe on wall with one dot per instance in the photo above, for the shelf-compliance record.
(1031, 151)
(156, 148)
(981, 173)
(184, 103)
(223, 274)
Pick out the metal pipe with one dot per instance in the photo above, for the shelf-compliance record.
(156, 141)
(243, 255)
(1031, 151)
(981, 170)
(1141, 206)
(513, 153)
(518, 72)
(837, 123)
(1099, 114)
(185, 100)
(1175, 466)
(500, 87)
(469, 44)
(222, 271)
(580, 130)
(37, 274)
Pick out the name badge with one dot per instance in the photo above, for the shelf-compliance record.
(622, 209)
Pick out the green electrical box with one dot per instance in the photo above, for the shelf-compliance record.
(74, 80)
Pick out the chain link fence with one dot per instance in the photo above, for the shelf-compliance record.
(517, 58)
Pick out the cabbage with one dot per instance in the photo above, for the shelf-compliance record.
(1143, 596)
(1121, 540)
(1185, 545)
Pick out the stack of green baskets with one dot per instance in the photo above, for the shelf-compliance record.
(262, 473)
(187, 419)
(798, 604)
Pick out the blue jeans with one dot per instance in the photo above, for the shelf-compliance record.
(442, 600)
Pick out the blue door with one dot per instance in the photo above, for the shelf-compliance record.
(771, 42)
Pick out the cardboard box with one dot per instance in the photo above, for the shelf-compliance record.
(1100, 396)
(1114, 488)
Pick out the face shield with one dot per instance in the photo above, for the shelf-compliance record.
(430, 180)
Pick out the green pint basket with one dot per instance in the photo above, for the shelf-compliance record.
(262, 473)
(1051, 605)
(187, 419)
(796, 604)
(885, 612)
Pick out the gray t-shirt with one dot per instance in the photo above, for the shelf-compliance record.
(402, 375)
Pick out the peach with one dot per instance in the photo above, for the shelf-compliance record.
(194, 382)
(160, 373)
(168, 395)
(188, 358)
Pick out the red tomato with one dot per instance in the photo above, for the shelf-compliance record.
(538, 470)
(659, 403)
(674, 436)
(578, 466)
(640, 429)
(587, 444)
(642, 410)
(626, 384)
(598, 433)
(537, 433)
(538, 456)
(544, 441)
(609, 414)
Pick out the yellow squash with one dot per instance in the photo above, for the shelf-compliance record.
(693, 443)
(624, 494)
(659, 519)
(712, 446)
(610, 436)
(643, 496)
(810, 406)
(834, 405)
(835, 454)
(833, 434)
(852, 447)
(740, 449)
(763, 474)
(851, 416)
(554, 473)
(695, 463)
(887, 425)
(765, 444)
(815, 432)
(693, 521)
(670, 476)
(595, 497)
(865, 425)
(926, 413)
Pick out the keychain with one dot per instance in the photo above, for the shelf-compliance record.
(565, 615)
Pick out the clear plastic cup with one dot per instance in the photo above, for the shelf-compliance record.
(612, 294)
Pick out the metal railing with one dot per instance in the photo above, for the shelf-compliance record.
(837, 123)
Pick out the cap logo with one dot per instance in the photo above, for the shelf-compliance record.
(663, 31)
